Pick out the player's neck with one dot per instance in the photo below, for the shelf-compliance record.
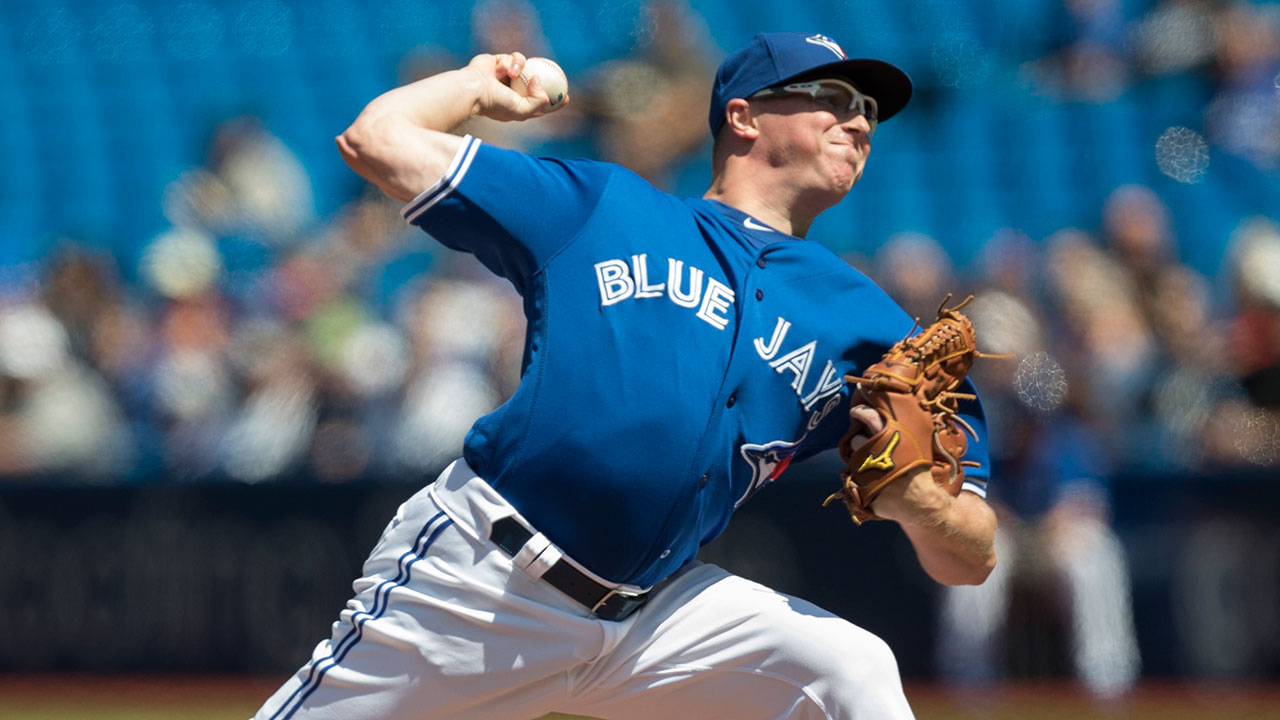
(760, 206)
(784, 197)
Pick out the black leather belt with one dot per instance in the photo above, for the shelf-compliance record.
(605, 602)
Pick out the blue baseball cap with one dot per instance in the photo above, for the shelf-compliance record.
(778, 58)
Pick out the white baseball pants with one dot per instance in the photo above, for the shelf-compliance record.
(445, 625)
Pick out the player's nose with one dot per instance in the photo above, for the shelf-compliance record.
(859, 123)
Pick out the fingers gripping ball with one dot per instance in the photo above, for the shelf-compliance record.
(549, 74)
(915, 424)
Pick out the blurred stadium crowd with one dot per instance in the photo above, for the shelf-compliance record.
(263, 317)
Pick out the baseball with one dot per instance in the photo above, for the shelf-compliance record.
(548, 73)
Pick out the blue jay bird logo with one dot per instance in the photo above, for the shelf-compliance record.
(767, 463)
(827, 43)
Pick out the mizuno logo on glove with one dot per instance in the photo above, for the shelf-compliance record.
(882, 460)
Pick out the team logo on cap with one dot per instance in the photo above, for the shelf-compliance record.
(827, 43)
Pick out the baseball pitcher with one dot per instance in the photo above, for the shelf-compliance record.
(681, 354)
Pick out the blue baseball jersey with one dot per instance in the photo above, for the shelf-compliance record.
(679, 355)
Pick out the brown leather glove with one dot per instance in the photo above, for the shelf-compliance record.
(912, 389)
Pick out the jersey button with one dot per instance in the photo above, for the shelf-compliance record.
(732, 400)
(703, 481)
(760, 261)
(759, 294)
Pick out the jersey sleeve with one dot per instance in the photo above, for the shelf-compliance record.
(512, 211)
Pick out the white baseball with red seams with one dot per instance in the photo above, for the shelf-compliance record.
(548, 73)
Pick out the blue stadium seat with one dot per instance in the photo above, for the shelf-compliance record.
(1039, 167)
(692, 175)
(339, 64)
(730, 28)
(64, 106)
(21, 174)
(1204, 216)
(399, 26)
(867, 29)
(769, 15)
(1113, 135)
(140, 126)
(1173, 100)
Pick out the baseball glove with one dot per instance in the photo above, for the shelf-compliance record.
(913, 390)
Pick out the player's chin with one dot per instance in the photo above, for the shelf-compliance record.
(848, 167)
(846, 177)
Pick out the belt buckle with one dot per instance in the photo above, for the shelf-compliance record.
(629, 603)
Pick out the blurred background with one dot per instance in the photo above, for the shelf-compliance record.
(224, 360)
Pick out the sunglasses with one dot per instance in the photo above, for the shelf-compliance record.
(837, 96)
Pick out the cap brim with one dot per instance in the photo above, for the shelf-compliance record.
(890, 86)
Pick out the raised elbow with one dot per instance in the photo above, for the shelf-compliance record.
(352, 142)
(365, 149)
(370, 139)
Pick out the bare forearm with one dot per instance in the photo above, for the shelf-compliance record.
(956, 547)
(953, 537)
(440, 102)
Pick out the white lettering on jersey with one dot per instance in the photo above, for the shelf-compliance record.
(829, 383)
(640, 269)
(674, 272)
(619, 280)
(615, 281)
(797, 361)
(717, 298)
(766, 352)
(832, 403)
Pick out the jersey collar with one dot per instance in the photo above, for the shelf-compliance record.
(758, 231)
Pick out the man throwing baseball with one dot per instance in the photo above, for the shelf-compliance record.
(680, 355)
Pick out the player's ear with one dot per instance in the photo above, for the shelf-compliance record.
(741, 120)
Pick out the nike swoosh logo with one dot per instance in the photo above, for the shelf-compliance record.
(757, 226)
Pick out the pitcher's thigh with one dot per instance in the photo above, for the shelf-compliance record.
(714, 645)
(441, 626)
